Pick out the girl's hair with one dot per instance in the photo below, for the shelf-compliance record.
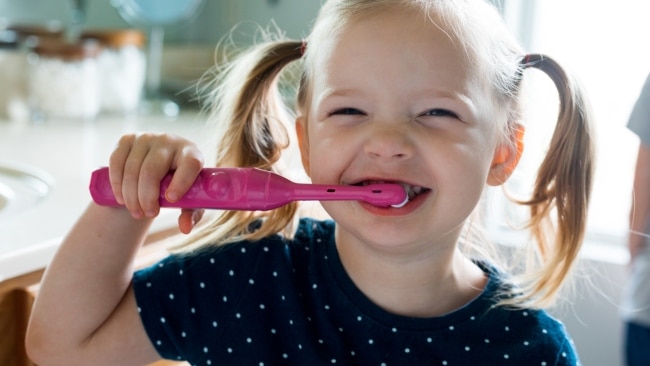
(252, 121)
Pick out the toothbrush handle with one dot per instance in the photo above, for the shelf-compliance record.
(250, 189)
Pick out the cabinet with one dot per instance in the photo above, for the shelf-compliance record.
(17, 297)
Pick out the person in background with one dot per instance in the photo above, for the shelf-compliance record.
(424, 93)
(636, 307)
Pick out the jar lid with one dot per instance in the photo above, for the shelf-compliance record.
(59, 48)
(51, 30)
(115, 37)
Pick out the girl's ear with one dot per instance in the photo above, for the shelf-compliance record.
(303, 143)
(506, 157)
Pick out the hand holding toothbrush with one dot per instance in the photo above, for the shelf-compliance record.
(139, 178)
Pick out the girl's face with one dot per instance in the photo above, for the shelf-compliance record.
(395, 100)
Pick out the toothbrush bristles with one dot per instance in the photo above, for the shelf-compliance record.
(406, 200)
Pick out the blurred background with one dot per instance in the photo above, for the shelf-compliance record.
(49, 99)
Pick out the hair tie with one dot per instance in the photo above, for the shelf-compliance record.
(303, 47)
(531, 60)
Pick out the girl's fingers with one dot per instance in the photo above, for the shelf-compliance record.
(189, 162)
(140, 162)
(117, 161)
(188, 219)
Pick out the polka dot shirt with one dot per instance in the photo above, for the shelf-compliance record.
(290, 302)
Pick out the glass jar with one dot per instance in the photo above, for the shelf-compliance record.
(122, 65)
(13, 62)
(63, 79)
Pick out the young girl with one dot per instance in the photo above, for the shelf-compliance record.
(419, 92)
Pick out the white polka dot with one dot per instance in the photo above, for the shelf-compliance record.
(161, 265)
(467, 348)
(370, 341)
(299, 346)
(525, 313)
(327, 307)
(214, 324)
(248, 340)
(507, 328)
(275, 274)
(526, 343)
(451, 327)
(314, 286)
(487, 340)
(506, 356)
(209, 362)
(159, 342)
(162, 320)
(139, 310)
(544, 331)
(231, 273)
(202, 285)
(273, 331)
(266, 249)
(407, 350)
(251, 281)
(472, 318)
(359, 318)
(225, 299)
(543, 363)
(333, 360)
(229, 350)
(429, 340)
(262, 306)
(284, 355)
(564, 354)
(193, 310)
(341, 330)
(444, 362)
(148, 284)
(205, 349)
(180, 272)
(183, 334)
(352, 353)
(394, 330)
(243, 250)
(321, 341)
(212, 260)
(290, 321)
(238, 316)
(171, 296)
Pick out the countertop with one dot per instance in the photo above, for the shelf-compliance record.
(68, 151)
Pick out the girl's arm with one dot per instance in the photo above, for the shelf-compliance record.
(85, 312)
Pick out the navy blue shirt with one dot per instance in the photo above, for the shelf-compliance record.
(290, 302)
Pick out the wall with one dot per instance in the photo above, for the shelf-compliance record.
(591, 314)
(214, 21)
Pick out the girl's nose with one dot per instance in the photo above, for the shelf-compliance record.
(390, 144)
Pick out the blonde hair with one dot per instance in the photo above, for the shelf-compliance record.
(252, 122)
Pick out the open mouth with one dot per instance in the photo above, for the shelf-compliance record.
(411, 191)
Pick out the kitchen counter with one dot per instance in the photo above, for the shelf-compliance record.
(68, 151)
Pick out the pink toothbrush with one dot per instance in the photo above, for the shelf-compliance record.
(253, 189)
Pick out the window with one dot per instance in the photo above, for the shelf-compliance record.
(605, 44)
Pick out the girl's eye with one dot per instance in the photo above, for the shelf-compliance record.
(347, 112)
(439, 113)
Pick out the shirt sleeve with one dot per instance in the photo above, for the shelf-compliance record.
(639, 121)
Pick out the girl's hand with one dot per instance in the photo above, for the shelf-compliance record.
(139, 163)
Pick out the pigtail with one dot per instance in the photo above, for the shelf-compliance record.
(251, 121)
(561, 192)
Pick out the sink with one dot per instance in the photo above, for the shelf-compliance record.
(22, 187)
